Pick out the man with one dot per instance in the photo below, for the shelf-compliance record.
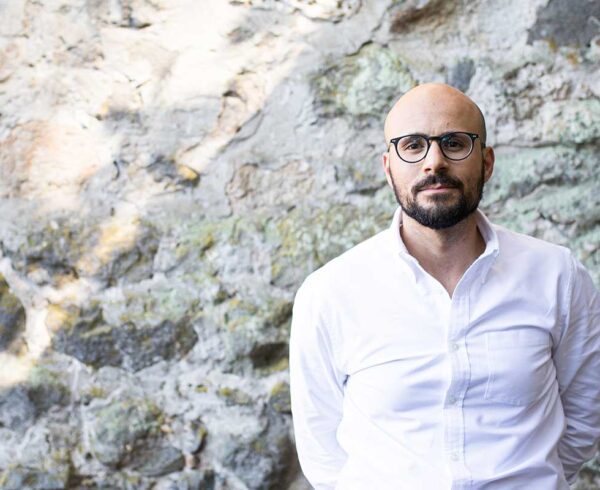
(445, 352)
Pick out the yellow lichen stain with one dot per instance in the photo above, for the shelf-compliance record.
(118, 234)
(201, 389)
(96, 392)
(259, 446)
(59, 317)
(281, 365)
(552, 44)
(226, 392)
(234, 395)
(279, 387)
(100, 330)
(573, 58)
(64, 280)
(9, 302)
(187, 173)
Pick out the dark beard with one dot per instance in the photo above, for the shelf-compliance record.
(440, 215)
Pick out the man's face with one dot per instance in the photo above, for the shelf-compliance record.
(437, 192)
(439, 200)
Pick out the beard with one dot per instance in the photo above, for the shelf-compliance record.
(445, 210)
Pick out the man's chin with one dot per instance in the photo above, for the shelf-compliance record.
(439, 215)
(439, 222)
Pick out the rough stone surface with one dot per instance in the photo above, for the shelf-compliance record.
(19, 478)
(17, 409)
(406, 14)
(87, 336)
(567, 23)
(259, 454)
(363, 84)
(20, 405)
(460, 74)
(279, 398)
(127, 433)
(12, 319)
(168, 178)
(119, 250)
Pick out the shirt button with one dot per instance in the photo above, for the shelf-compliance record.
(454, 456)
(452, 399)
(455, 347)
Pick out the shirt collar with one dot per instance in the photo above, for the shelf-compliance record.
(488, 233)
(397, 242)
(485, 228)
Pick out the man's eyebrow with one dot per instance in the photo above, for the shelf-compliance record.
(412, 134)
(445, 133)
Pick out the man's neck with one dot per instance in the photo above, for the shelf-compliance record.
(445, 254)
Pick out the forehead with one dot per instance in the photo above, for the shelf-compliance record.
(432, 114)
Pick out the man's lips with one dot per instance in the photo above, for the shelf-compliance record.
(438, 188)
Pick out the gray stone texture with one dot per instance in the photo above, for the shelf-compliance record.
(567, 22)
(12, 319)
(171, 170)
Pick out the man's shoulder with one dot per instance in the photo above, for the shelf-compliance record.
(514, 245)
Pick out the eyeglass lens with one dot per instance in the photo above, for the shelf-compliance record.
(454, 146)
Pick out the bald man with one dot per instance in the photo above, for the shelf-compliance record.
(445, 352)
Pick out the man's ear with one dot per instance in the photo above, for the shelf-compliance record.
(488, 162)
(386, 167)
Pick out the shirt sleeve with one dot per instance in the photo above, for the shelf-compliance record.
(316, 386)
(577, 360)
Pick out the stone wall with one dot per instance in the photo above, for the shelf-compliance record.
(170, 171)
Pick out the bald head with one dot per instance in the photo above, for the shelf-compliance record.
(433, 109)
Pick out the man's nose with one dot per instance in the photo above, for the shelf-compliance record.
(435, 161)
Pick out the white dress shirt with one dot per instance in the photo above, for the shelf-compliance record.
(395, 385)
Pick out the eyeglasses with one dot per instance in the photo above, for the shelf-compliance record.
(413, 148)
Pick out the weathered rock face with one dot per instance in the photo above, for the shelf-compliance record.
(170, 171)
(22, 404)
(578, 26)
(127, 434)
(127, 343)
(362, 84)
(12, 319)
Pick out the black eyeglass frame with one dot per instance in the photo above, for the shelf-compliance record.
(439, 139)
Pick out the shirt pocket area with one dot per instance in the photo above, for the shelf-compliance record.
(519, 364)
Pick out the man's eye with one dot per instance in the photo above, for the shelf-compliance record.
(453, 143)
(413, 145)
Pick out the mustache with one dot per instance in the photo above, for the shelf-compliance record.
(437, 179)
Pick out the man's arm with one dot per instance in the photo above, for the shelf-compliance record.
(577, 360)
(317, 392)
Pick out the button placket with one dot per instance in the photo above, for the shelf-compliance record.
(459, 380)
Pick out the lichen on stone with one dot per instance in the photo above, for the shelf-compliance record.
(308, 237)
(126, 433)
(19, 477)
(279, 397)
(67, 247)
(362, 84)
(86, 335)
(234, 396)
(255, 333)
